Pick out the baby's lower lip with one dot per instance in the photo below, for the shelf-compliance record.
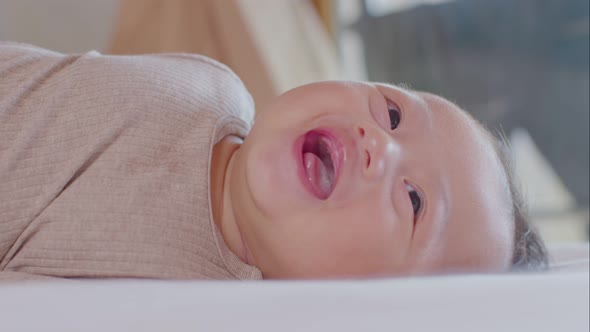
(298, 148)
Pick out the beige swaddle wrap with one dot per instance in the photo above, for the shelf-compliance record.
(104, 164)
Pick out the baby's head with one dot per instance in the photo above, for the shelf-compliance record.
(346, 179)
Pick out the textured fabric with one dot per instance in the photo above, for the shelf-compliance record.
(104, 164)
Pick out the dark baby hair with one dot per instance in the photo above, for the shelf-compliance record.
(529, 252)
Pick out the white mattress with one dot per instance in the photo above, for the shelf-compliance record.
(557, 301)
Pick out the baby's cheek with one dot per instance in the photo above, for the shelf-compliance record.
(360, 227)
(333, 244)
(379, 229)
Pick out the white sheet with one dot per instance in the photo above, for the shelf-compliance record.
(569, 257)
(547, 302)
(556, 301)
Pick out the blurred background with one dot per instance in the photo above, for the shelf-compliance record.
(519, 66)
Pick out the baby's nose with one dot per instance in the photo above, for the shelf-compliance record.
(378, 151)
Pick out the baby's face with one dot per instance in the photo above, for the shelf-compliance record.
(343, 179)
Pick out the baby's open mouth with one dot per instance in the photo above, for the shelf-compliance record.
(318, 151)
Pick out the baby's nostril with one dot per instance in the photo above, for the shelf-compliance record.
(368, 158)
(362, 131)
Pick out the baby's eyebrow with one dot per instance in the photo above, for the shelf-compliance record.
(405, 86)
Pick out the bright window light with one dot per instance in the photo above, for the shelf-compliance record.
(384, 7)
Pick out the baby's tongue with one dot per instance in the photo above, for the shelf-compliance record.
(317, 174)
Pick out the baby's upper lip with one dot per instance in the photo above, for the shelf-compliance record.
(337, 153)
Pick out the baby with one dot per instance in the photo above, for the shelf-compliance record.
(153, 167)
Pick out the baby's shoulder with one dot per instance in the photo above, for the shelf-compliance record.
(194, 83)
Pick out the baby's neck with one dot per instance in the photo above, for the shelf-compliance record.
(221, 166)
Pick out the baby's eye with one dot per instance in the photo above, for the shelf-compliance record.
(394, 114)
(415, 199)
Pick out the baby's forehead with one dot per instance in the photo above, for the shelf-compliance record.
(454, 114)
(437, 103)
(477, 152)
